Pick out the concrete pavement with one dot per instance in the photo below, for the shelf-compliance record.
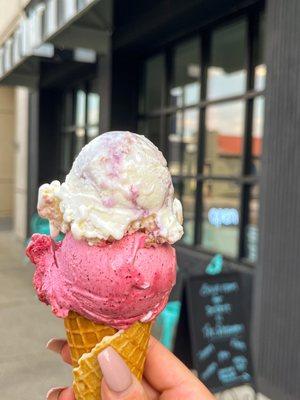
(27, 369)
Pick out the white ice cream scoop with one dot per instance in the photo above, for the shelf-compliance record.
(118, 183)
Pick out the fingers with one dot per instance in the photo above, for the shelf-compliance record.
(60, 394)
(60, 346)
(151, 393)
(124, 382)
(118, 382)
(166, 373)
(163, 369)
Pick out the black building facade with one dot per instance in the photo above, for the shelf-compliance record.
(214, 84)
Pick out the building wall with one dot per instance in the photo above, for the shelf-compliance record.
(21, 161)
(7, 99)
(8, 19)
(13, 114)
(276, 318)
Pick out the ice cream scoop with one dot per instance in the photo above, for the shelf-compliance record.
(115, 283)
(118, 184)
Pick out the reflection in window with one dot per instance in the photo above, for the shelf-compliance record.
(175, 143)
(80, 108)
(93, 114)
(93, 109)
(152, 84)
(80, 121)
(183, 139)
(92, 132)
(224, 138)
(79, 140)
(190, 141)
(188, 204)
(177, 118)
(260, 69)
(257, 133)
(220, 217)
(251, 232)
(81, 4)
(226, 70)
(185, 87)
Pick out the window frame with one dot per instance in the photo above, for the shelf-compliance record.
(69, 126)
(246, 180)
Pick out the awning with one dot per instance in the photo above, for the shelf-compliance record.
(67, 24)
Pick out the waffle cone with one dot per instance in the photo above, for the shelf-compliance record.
(83, 335)
(87, 339)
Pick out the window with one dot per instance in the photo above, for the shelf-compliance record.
(185, 85)
(226, 70)
(80, 121)
(202, 103)
(224, 124)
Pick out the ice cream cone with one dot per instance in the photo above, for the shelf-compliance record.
(87, 339)
(83, 335)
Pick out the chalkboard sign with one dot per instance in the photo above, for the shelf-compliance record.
(219, 339)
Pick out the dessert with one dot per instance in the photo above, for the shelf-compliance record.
(113, 272)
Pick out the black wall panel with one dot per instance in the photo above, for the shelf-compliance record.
(277, 298)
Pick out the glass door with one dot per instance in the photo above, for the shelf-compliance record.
(80, 121)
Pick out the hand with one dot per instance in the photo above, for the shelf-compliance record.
(165, 377)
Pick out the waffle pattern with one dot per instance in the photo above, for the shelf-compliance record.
(83, 335)
(131, 344)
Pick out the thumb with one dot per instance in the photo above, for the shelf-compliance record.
(118, 382)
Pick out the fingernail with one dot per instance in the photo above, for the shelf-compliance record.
(115, 371)
(56, 345)
(54, 393)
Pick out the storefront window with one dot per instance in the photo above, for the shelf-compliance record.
(80, 110)
(183, 142)
(188, 199)
(175, 142)
(92, 132)
(185, 87)
(93, 115)
(152, 84)
(226, 70)
(224, 138)
(260, 69)
(220, 217)
(190, 141)
(79, 140)
(257, 133)
(81, 117)
(207, 114)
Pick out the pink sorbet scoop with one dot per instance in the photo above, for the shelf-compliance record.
(115, 283)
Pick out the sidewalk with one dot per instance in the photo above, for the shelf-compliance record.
(27, 369)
